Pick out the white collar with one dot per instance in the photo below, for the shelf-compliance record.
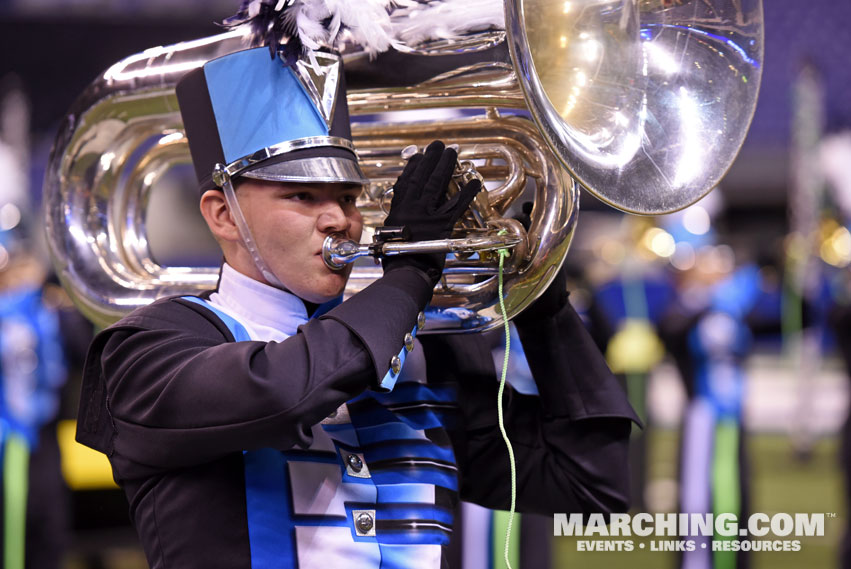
(269, 313)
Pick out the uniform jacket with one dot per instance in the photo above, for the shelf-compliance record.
(189, 417)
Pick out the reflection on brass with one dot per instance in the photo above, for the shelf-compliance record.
(645, 103)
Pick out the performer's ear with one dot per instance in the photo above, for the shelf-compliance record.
(215, 210)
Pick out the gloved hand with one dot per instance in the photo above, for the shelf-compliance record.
(420, 204)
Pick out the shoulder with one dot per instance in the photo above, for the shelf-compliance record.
(176, 313)
(160, 328)
(160, 323)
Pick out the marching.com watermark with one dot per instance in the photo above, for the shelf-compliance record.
(775, 532)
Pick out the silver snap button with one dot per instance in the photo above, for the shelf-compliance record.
(364, 523)
(355, 462)
(395, 364)
(420, 320)
(409, 342)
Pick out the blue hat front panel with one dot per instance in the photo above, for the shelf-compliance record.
(258, 102)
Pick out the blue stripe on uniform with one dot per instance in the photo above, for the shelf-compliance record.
(408, 493)
(410, 391)
(427, 418)
(271, 533)
(374, 415)
(240, 334)
(402, 511)
(422, 536)
(403, 556)
(416, 475)
(388, 431)
(408, 449)
(270, 529)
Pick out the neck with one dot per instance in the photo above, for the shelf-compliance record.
(261, 306)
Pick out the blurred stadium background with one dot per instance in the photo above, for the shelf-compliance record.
(794, 409)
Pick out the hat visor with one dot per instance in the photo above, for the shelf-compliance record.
(319, 169)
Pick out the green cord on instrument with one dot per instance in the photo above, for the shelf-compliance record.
(503, 253)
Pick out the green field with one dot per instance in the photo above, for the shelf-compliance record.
(780, 483)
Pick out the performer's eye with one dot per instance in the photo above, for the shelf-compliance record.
(300, 196)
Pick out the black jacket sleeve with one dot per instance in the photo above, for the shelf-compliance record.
(164, 389)
(570, 443)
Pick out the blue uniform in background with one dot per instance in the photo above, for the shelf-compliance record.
(32, 373)
(709, 337)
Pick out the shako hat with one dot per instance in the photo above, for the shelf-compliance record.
(269, 118)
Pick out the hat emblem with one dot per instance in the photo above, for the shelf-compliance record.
(320, 77)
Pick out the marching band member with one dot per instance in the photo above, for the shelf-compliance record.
(268, 424)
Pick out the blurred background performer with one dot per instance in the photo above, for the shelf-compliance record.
(627, 307)
(32, 366)
(835, 162)
(706, 330)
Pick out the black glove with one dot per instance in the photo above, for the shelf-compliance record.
(420, 204)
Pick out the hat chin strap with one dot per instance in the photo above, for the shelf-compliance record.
(245, 235)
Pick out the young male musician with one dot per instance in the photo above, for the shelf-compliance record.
(266, 424)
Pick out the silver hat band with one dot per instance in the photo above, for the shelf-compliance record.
(319, 169)
(237, 166)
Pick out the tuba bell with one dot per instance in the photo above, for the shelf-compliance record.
(644, 103)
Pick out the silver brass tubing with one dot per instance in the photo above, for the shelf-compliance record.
(645, 103)
(338, 251)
